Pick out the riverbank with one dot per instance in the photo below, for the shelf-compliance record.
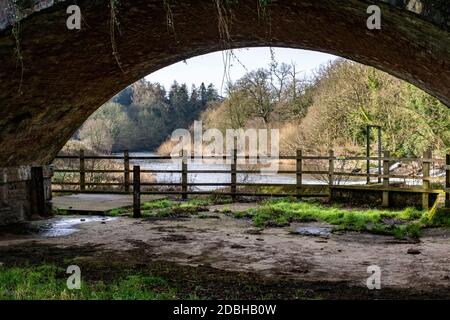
(213, 255)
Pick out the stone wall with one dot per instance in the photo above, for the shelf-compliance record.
(17, 196)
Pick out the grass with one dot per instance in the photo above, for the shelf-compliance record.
(117, 212)
(402, 223)
(158, 204)
(60, 212)
(170, 208)
(167, 207)
(49, 282)
(439, 219)
(162, 280)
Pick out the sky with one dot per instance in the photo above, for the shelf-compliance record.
(209, 68)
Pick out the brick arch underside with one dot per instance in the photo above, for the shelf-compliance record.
(67, 75)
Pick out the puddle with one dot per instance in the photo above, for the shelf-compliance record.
(64, 226)
(313, 231)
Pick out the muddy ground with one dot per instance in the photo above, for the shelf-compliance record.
(217, 256)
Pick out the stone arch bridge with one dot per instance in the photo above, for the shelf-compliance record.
(61, 76)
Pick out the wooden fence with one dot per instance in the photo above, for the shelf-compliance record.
(232, 188)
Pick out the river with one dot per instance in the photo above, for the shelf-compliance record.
(256, 177)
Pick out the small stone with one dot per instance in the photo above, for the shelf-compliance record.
(313, 231)
(259, 239)
(253, 231)
(103, 222)
(309, 293)
(82, 220)
(413, 251)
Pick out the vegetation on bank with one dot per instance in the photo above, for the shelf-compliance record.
(276, 213)
(167, 208)
(144, 115)
(156, 280)
(408, 222)
(329, 110)
(48, 281)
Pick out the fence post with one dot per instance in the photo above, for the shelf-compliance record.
(184, 176)
(37, 191)
(299, 170)
(368, 154)
(385, 200)
(126, 169)
(379, 153)
(447, 181)
(82, 171)
(136, 191)
(233, 175)
(331, 170)
(426, 179)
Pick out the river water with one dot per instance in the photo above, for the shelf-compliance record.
(63, 226)
(256, 177)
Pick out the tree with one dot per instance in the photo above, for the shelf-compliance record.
(147, 117)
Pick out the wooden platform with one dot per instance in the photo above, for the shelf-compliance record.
(97, 203)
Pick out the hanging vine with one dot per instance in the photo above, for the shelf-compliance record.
(263, 9)
(113, 24)
(17, 17)
(169, 17)
(225, 18)
(224, 21)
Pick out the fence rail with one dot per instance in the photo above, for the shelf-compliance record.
(132, 176)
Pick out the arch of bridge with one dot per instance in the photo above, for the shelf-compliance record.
(68, 74)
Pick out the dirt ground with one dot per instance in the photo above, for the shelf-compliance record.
(233, 254)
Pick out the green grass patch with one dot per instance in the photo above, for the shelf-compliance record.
(197, 202)
(242, 214)
(158, 204)
(49, 282)
(169, 208)
(218, 198)
(439, 219)
(60, 212)
(400, 223)
(118, 211)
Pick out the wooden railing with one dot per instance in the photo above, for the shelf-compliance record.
(232, 188)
